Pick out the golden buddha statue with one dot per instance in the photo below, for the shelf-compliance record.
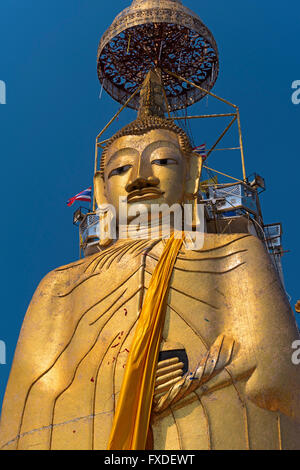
(224, 378)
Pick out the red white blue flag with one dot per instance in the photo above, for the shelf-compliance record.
(85, 195)
(201, 149)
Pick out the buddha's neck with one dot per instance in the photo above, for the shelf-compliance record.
(147, 229)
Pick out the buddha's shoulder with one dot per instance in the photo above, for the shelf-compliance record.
(225, 244)
(123, 252)
(66, 274)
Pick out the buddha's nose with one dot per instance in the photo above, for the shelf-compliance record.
(141, 183)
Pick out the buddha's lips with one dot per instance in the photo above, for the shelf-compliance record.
(144, 194)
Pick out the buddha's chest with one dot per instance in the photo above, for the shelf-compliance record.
(198, 309)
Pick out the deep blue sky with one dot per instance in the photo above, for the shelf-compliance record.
(53, 113)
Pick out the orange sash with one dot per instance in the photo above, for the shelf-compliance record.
(132, 417)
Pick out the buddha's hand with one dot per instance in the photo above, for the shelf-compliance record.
(168, 373)
(177, 388)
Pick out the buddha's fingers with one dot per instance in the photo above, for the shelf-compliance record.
(167, 377)
(169, 369)
(166, 386)
(167, 362)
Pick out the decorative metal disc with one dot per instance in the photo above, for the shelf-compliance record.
(158, 33)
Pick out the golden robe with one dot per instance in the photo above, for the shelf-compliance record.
(71, 354)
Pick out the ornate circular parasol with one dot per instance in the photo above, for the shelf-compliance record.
(163, 34)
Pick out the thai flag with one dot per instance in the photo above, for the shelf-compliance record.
(85, 195)
(201, 149)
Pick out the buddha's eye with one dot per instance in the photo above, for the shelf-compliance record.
(120, 170)
(164, 161)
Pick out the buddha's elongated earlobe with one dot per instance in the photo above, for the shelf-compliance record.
(192, 185)
(104, 210)
(99, 189)
(194, 174)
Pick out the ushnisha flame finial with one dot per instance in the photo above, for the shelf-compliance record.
(152, 101)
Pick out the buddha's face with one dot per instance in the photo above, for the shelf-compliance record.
(147, 169)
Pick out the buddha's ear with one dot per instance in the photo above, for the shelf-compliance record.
(106, 217)
(192, 186)
(193, 175)
(99, 189)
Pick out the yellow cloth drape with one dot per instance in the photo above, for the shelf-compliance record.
(132, 417)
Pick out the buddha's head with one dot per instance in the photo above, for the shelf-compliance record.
(150, 161)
